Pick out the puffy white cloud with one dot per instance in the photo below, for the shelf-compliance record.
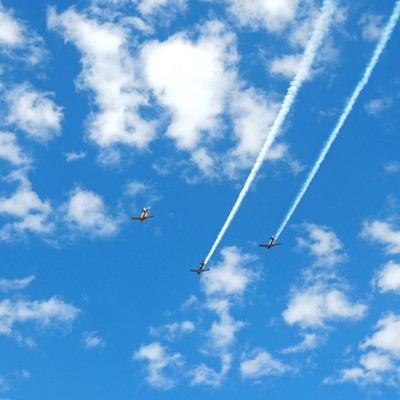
(173, 332)
(204, 375)
(384, 233)
(25, 205)
(230, 276)
(371, 26)
(191, 80)
(11, 151)
(375, 107)
(10, 29)
(34, 112)
(7, 285)
(158, 360)
(273, 15)
(110, 73)
(286, 66)
(314, 306)
(261, 363)
(388, 278)
(85, 211)
(387, 336)
(223, 332)
(45, 313)
(323, 244)
(380, 362)
(321, 297)
(92, 339)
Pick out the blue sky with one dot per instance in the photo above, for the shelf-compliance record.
(108, 106)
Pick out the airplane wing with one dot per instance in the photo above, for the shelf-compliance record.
(195, 270)
(136, 218)
(149, 216)
(263, 245)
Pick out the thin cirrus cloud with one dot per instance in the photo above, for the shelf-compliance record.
(8, 285)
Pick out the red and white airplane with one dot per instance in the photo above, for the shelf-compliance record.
(271, 243)
(201, 269)
(144, 215)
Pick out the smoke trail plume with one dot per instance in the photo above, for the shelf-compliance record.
(317, 37)
(349, 107)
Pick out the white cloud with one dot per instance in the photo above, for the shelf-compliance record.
(25, 205)
(274, 15)
(173, 332)
(148, 7)
(191, 80)
(392, 167)
(7, 285)
(384, 233)
(158, 360)
(10, 29)
(372, 26)
(322, 295)
(309, 342)
(230, 276)
(34, 112)
(252, 114)
(223, 332)
(380, 362)
(92, 339)
(111, 74)
(204, 375)
(45, 313)
(323, 244)
(85, 211)
(261, 363)
(73, 156)
(386, 338)
(388, 278)
(287, 66)
(11, 151)
(375, 107)
(314, 306)
(15, 38)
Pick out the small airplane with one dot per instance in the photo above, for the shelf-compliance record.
(144, 215)
(201, 269)
(271, 243)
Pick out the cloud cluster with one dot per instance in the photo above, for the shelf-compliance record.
(322, 297)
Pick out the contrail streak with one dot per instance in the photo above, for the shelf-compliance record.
(317, 37)
(349, 107)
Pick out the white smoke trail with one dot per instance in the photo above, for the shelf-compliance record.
(360, 86)
(317, 37)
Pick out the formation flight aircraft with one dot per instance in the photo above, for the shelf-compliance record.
(271, 243)
(201, 269)
(144, 215)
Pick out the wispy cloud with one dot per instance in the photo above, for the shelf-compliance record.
(380, 361)
(8, 285)
(384, 233)
(159, 360)
(375, 107)
(260, 363)
(45, 313)
(92, 339)
(11, 151)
